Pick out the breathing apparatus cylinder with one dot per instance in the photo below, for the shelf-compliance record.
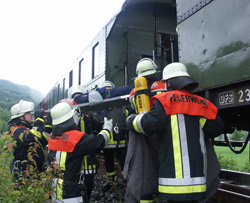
(142, 95)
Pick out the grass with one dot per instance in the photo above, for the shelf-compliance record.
(239, 159)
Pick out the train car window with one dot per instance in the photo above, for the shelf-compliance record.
(70, 78)
(165, 46)
(63, 90)
(58, 92)
(95, 61)
(80, 72)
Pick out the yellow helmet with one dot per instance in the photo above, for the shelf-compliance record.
(61, 112)
(146, 67)
(21, 108)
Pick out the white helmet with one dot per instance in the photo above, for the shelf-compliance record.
(174, 70)
(176, 73)
(74, 90)
(108, 83)
(146, 67)
(61, 112)
(21, 108)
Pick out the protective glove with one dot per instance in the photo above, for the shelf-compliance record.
(108, 124)
(129, 121)
(77, 116)
(39, 113)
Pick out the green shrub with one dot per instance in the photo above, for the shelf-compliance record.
(34, 187)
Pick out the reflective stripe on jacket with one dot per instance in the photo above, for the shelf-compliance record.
(179, 117)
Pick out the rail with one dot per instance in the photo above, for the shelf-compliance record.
(235, 187)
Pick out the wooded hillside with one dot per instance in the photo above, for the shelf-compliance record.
(10, 94)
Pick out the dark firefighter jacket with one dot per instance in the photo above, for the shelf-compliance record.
(181, 120)
(68, 150)
(25, 140)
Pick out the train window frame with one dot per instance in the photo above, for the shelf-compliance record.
(70, 78)
(80, 71)
(95, 64)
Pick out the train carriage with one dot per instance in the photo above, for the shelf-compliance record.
(140, 29)
(209, 36)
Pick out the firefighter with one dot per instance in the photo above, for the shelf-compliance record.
(117, 144)
(85, 122)
(181, 120)
(29, 139)
(68, 146)
(145, 180)
(148, 69)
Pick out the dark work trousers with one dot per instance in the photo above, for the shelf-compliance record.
(109, 155)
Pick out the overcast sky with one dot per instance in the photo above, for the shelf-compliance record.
(40, 39)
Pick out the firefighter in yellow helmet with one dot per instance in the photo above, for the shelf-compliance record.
(182, 121)
(29, 136)
(68, 146)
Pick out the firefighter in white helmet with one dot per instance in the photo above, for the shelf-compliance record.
(148, 69)
(85, 123)
(182, 121)
(68, 146)
(28, 137)
(116, 147)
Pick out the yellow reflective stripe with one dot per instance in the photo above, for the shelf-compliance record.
(39, 119)
(202, 121)
(112, 141)
(159, 92)
(107, 134)
(176, 147)
(141, 201)
(36, 133)
(59, 189)
(182, 189)
(63, 160)
(135, 124)
(45, 136)
(82, 124)
(134, 104)
(111, 173)
(127, 113)
(49, 126)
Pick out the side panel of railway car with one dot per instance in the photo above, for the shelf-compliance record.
(141, 30)
(214, 43)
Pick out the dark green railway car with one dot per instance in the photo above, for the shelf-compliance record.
(214, 43)
(210, 36)
(140, 29)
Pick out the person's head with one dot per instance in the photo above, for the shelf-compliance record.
(76, 90)
(108, 85)
(61, 113)
(22, 112)
(146, 68)
(177, 77)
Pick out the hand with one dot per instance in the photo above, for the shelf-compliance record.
(129, 121)
(39, 113)
(108, 124)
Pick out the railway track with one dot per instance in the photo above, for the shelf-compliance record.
(235, 187)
